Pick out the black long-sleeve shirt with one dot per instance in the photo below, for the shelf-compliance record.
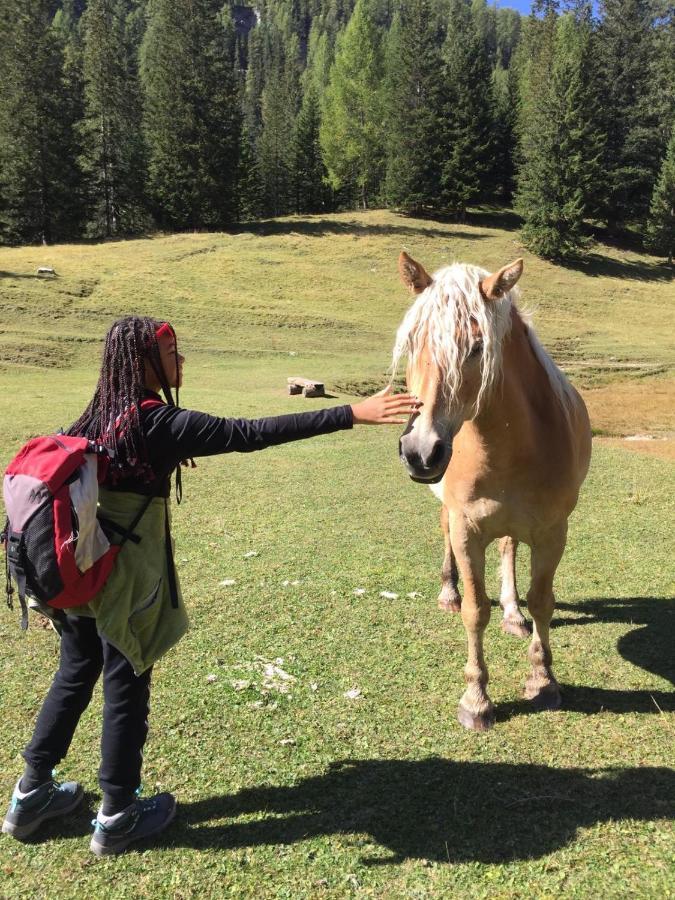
(173, 434)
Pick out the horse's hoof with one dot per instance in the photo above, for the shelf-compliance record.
(518, 629)
(453, 604)
(476, 722)
(544, 698)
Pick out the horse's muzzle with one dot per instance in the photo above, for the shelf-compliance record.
(425, 467)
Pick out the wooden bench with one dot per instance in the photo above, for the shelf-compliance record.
(306, 387)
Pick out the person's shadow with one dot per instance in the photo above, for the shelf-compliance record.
(432, 809)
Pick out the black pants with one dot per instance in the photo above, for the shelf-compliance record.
(125, 713)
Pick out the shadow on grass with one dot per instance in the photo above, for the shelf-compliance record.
(650, 646)
(17, 275)
(432, 809)
(320, 227)
(596, 265)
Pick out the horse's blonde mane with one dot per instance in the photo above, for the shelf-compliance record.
(440, 320)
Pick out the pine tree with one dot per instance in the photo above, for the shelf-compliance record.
(634, 141)
(309, 171)
(485, 23)
(660, 232)
(352, 123)
(507, 31)
(414, 98)
(192, 116)
(279, 105)
(38, 173)
(467, 172)
(505, 92)
(253, 87)
(562, 145)
(275, 149)
(113, 155)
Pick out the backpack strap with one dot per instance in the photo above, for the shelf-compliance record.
(14, 548)
(171, 566)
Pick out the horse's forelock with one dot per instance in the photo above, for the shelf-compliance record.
(440, 320)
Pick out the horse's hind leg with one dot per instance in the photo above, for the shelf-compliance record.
(541, 687)
(514, 621)
(449, 598)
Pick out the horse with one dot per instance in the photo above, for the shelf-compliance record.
(504, 441)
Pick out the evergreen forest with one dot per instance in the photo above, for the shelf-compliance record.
(118, 117)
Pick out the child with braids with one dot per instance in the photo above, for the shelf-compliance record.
(139, 613)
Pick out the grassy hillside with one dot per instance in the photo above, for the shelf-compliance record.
(312, 792)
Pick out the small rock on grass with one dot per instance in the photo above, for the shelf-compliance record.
(352, 694)
(389, 595)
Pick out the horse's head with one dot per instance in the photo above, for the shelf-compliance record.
(452, 336)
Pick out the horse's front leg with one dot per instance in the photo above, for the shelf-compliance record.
(541, 687)
(513, 622)
(476, 710)
(449, 597)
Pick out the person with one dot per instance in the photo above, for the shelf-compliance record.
(139, 613)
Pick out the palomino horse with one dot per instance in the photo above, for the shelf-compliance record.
(504, 440)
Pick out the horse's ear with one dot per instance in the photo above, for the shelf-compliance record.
(495, 286)
(413, 275)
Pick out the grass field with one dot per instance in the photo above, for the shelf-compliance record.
(352, 778)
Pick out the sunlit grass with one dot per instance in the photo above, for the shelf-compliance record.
(311, 793)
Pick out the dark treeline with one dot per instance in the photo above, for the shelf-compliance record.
(118, 116)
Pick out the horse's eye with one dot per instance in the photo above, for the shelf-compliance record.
(477, 349)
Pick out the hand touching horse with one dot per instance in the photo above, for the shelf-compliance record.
(504, 440)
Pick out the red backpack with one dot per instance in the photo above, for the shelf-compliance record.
(56, 545)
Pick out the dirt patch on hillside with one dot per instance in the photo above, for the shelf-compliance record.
(635, 415)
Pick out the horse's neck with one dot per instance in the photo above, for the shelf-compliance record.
(524, 399)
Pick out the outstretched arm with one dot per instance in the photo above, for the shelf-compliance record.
(183, 433)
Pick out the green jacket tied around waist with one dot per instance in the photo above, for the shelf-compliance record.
(134, 610)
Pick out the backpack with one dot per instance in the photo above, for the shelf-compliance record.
(56, 543)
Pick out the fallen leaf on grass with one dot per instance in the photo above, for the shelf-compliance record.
(352, 694)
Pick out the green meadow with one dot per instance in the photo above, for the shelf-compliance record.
(306, 723)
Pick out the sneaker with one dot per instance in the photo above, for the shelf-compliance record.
(113, 834)
(29, 810)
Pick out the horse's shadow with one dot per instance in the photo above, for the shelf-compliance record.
(433, 809)
(649, 646)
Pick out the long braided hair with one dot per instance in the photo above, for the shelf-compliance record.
(112, 418)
